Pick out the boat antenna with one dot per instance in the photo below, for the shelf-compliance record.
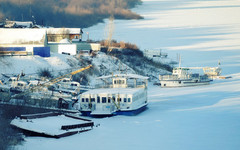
(219, 63)
(179, 61)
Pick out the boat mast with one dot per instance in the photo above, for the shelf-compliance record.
(179, 61)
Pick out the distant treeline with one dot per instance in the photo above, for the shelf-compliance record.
(67, 13)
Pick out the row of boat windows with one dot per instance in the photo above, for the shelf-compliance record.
(107, 100)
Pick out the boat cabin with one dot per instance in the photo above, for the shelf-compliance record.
(20, 87)
(119, 82)
(12, 81)
(69, 87)
(180, 72)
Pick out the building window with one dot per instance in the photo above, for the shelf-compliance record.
(104, 99)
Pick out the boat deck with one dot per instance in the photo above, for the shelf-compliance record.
(52, 124)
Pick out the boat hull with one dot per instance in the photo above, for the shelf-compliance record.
(183, 83)
(119, 112)
(131, 112)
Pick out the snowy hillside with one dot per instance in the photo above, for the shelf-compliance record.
(59, 64)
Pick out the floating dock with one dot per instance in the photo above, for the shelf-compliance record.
(52, 124)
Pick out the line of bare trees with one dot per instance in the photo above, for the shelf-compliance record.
(70, 13)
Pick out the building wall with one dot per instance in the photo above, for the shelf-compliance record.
(95, 46)
(70, 49)
(63, 48)
(53, 47)
(88, 46)
(73, 36)
(57, 37)
(29, 48)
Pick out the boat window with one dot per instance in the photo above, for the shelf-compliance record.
(86, 99)
(129, 100)
(20, 84)
(73, 84)
(125, 100)
(104, 99)
(119, 99)
(82, 99)
(98, 99)
(92, 99)
(115, 82)
(109, 99)
(113, 98)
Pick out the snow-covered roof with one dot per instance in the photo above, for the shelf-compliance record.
(22, 36)
(114, 91)
(64, 31)
(131, 76)
(24, 24)
(66, 41)
(49, 125)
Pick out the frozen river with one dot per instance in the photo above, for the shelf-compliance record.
(191, 118)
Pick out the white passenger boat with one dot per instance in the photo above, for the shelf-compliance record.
(181, 77)
(120, 94)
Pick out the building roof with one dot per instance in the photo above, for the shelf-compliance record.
(22, 36)
(64, 31)
(26, 24)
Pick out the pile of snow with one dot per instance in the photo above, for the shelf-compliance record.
(65, 41)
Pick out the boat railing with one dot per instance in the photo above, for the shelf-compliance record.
(173, 77)
(129, 85)
(168, 77)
